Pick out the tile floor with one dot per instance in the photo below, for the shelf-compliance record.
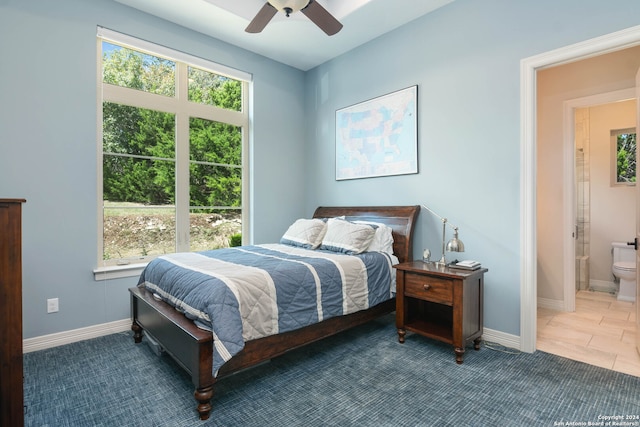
(601, 332)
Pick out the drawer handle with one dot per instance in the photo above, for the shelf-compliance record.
(427, 287)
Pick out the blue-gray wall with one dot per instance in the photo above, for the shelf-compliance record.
(465, 58)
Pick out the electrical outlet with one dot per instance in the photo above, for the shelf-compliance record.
(52, 305)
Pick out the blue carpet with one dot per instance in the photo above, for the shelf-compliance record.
(362, 377)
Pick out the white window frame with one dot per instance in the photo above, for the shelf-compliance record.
(614, 157)
(183, 109)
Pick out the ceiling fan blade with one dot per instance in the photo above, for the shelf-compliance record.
(261, 19)
(323, 19)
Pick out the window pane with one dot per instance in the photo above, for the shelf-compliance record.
(138, 183)
(138, 148)
(213, 228)
(141, 181)
(626, 161)
(137, 131)
(136, 70)
(215, 182)
(133, 232)
(211, 89)
(216, 155)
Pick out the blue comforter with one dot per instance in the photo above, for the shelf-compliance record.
(249, 292)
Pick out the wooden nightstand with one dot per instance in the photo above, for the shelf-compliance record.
(440, 303)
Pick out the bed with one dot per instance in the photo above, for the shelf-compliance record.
(182, 332)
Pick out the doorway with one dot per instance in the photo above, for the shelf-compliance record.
(587, 332)
(529, 136)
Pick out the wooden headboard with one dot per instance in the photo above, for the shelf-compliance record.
(400, 218)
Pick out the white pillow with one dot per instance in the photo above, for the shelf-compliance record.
(383, 239)
(347, 237)
(305, 233)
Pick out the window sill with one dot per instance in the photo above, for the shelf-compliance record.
(118, 271)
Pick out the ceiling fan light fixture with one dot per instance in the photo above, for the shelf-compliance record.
(289, 6)
(310, 8)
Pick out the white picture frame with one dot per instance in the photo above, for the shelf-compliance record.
(378, 137)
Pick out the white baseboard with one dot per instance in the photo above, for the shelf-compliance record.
(75, 335)
(81, 334)
(502, 338)
(551, 304)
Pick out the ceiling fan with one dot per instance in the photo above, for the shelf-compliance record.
(312, 10)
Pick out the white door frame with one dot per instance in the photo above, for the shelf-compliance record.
(528, 68)
(637, 239)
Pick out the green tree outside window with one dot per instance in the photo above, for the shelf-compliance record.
(626, 158)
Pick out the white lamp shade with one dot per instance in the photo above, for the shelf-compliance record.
(294, 5)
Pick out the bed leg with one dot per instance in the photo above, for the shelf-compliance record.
(137, 332)
(203, 397)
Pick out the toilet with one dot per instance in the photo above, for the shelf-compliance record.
(624, 269)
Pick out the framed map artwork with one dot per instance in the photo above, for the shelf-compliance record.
(378, 137)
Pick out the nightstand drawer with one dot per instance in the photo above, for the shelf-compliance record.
(428, 288)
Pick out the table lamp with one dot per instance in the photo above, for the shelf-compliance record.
(453, 245)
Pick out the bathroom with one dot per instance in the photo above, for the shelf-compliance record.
(578, 313)
(605, 209)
